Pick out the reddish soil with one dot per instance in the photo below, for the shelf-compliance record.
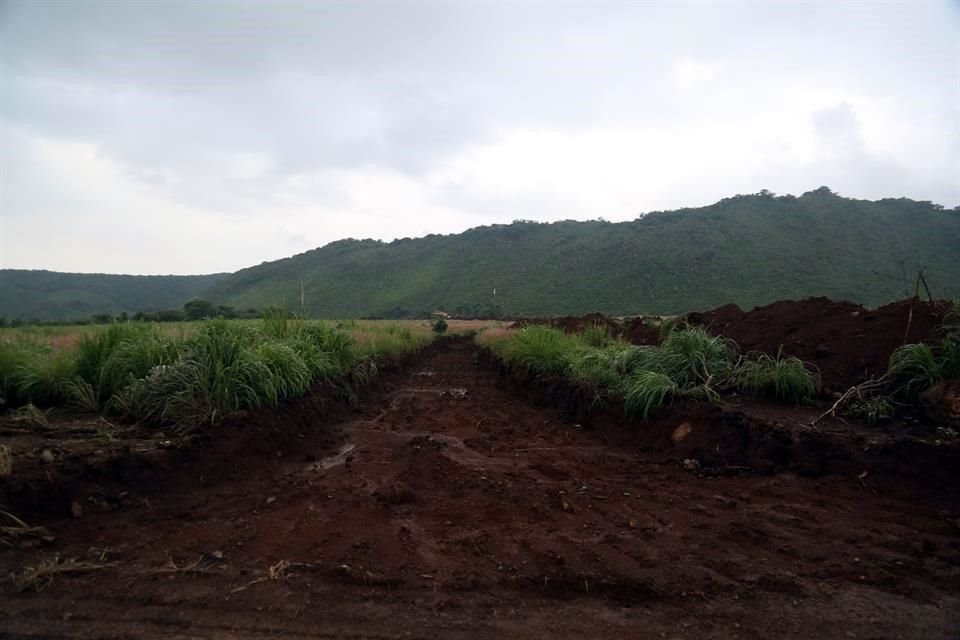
(848, 343)
(453, 507)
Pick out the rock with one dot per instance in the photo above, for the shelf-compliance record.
(47, 456)
(680, 433)
(271, 499)
(76, 510)
(690, 464)
(941, 403)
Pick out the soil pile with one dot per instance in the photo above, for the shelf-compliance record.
(642, 330)
(847, 342)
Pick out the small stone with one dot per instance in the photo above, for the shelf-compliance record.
(271, 499)
(47, 456)
(76, 509)
(681, 432)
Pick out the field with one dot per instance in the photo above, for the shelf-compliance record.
(706, 477)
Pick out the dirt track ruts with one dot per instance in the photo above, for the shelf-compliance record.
(455, 510)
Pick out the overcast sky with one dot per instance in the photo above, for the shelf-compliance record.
(140, 137)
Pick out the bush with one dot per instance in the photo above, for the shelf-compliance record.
(440, 326)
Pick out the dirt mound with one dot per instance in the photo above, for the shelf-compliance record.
(847, 342)
(642, 330)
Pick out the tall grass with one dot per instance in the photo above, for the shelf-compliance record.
(647, 390)
(785, 378)
(689, 363)
(137, 371)
(540, 349)
(15, 357)
(913, 369)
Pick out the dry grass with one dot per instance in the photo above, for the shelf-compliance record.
(493, 335)
(200, 566)
(14, 532)
(6, 461)
(275, 573)
(40, 576)
(279, 571)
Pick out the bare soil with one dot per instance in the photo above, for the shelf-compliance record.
(848, 343)
(460, 502)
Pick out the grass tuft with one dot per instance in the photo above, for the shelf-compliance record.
(785, 378)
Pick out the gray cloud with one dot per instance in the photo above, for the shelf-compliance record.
(268, 128)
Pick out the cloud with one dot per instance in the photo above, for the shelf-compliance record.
(688, 73)
(190, 137)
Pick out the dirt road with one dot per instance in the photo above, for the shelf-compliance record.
(448, 508)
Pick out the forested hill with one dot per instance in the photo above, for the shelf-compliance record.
(51, 295)
(748, 250)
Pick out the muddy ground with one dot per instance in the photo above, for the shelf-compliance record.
(452, 506)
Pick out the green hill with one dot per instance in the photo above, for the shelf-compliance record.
(747, 249)
(50, 295)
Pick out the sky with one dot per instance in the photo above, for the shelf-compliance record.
(201, 137)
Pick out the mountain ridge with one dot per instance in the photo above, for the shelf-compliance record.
(746, 249)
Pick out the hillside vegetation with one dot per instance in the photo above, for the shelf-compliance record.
(50, 295)
(748, 250)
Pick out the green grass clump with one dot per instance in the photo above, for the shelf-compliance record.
(690, 363)
(785, 378)
(44, 380)
(598, 368)
(15, 356)
(597, 335)
(872, 410)
(539, 349)
(691, 355)
(913, 369)
(647, 390)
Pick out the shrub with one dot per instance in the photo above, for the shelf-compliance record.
(440, 326)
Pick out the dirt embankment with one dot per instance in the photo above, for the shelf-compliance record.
(847, 342)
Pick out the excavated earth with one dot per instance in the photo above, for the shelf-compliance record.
(453, 505)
